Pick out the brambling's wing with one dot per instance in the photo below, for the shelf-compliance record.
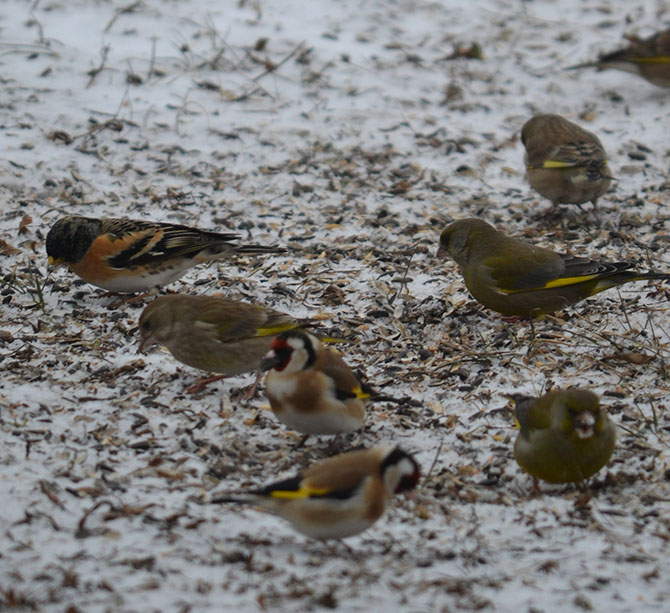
(139, 243)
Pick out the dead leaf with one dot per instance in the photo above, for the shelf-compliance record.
(170, 475)
(7, 249)
(631, 357)
(26, 220)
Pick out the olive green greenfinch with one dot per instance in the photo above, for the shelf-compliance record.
(517, 279)
(565, 435)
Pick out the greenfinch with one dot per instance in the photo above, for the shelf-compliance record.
(565, 435)
(213, 333)
(521, 280)
(311, 388)
(647, 57)
(338, 497)
(564, 162)
(132, 255)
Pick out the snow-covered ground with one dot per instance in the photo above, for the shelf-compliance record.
(349, 132)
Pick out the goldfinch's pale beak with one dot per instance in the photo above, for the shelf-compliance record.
(270, 360)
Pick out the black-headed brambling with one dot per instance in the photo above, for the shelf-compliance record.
(127, 255)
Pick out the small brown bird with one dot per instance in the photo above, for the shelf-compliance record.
(126, 255)
(311, 389)
(564, 162)
(338, 497)
(517, 279)
(213, 333)
(565, 435)
(647, 57)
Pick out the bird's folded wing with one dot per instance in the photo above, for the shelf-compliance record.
(533, 275)
(242, 321)
(347, 386)
(154, 243)
(569, 155)
(298, 488)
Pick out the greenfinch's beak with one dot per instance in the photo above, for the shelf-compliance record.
(584, 424)
(441, 251)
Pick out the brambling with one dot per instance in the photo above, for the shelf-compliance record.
(213, 333)
(311, 389)
(646, 57)
(338, 497)
(127, 255)
(564, 162)
(517, 279)
(565, 435)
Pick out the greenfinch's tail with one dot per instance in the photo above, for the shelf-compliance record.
(626, 276)
(592, 64)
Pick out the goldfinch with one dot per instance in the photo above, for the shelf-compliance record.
(126, 255)
(517, 279)
(564, 162)
(213, 333)
(565, 435)
(338, 497)
(647, 57)
(311, 389)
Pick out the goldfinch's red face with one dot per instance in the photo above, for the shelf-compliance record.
(290, 352)
(279, 355)
(410, 475)
(400, 471)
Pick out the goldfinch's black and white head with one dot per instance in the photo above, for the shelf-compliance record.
(400, 471)
(292, 351)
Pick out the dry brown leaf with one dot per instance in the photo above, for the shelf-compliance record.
(631, 357)
(7, 249)
(26, 220)
(170, 475)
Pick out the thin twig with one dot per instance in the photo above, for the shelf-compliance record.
(96, 71)
(124, 9)
(274, 68)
